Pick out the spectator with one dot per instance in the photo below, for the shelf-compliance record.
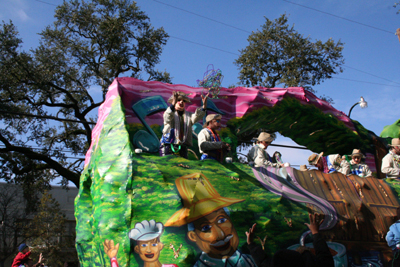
(210, 144)
(285, 257)
(393, 239)
(29, 262)
(23, 254)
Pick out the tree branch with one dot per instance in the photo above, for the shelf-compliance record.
(60, 169)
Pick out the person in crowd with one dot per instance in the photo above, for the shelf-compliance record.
(29, 262)
(210, 144)
(177, 131)
(301, 257)
(258, 155)
(356, 167)
(329, 164)
(391, 162)
(393, 239)
(23, 254)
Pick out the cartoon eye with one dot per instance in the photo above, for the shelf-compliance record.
(206, 228)
(144, 245)
(222, 220)
(154, 245)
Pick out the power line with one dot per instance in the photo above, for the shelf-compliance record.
(231, 26)
(370, 74)
(54, 150)
(204, 17)
(46, 3)
(33, 148)
(204, 45)
(44, 117)
(336, 16)
(234, 27)
(365, 82)
(196, 43)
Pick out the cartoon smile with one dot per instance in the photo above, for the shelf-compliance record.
(223, 244)
(150, 255)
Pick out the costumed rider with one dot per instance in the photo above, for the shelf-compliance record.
(391, 162)
(393, 237)
(177, 131)
(329, 164)
(258, 156)
(210, 144)
(356, 167)
(210, 227)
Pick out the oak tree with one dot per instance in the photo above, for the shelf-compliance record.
(49, 94)
(277, 55)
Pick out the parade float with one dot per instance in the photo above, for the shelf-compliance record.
(129, 195)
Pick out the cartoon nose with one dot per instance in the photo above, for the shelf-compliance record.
(220, 235)
(148, 248)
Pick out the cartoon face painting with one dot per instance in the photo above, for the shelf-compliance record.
(149, 251)
(215, 235)
(148, 246)
(209, 225)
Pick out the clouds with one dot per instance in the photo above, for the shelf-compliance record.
(15, 10)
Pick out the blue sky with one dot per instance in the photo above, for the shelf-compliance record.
(371, 52)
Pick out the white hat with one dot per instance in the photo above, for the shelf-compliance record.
(395, 142)
(357, 152)
(266, 137)
(146, 230)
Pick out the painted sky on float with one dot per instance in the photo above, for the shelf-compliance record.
(371, 52)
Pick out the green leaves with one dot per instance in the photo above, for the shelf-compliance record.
(280, 56)
(88, 46)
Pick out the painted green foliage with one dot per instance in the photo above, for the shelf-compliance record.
(103, 206)
(304, 124)
(391, 131)
(120, 188)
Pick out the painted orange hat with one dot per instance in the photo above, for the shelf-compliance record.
(199, 199)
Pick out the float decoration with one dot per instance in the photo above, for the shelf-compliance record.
(120, 188)
(211, 82)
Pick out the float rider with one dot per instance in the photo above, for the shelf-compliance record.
(329, 164)
(391, 162)
(356, 167)
(210, 144)
(177, 131)
(258, 155)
